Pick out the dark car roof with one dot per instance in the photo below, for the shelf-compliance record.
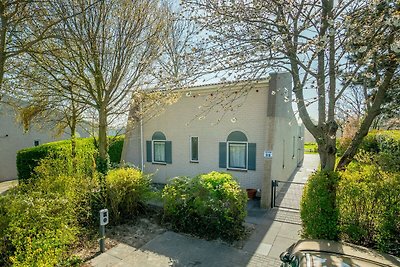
(339, 249)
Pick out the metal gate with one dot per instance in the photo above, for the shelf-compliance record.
(286, 194)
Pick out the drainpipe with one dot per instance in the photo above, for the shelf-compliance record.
(141, 138)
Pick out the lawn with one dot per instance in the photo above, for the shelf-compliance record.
(310, 148)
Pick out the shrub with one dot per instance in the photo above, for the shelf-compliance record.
(127, 190)
(115, 148)
(318, 210)
(28, 159)
(209, 205)
(42, 219)
(369, 204)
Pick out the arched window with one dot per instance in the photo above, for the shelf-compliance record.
(159, 150)
(237, 153)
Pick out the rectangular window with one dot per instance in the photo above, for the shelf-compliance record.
(159, 151)
(36, 142)
(194, 149)
(237, 155)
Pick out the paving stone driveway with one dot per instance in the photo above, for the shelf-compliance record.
(275, 230)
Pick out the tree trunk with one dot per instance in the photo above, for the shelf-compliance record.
(103, 160)
(73, 141)
(327, 146)
(3, 37)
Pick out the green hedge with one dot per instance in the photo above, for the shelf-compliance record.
(386, 147)
(364, 209)
(368, 200)
(209, 205)
(29, 158)
(115, 148)
(318, 210)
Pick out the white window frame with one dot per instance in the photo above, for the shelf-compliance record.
(153, 154)
(227, 155)
(190, 149)
(34, 142)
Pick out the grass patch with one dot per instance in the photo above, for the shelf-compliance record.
(310, 148)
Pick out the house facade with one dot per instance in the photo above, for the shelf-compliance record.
(252, 133)
(13, 138)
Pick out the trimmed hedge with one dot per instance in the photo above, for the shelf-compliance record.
(318, 210)
(29, 158)
(115, 148)
(210, 206)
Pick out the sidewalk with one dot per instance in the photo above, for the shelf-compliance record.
(275, 230)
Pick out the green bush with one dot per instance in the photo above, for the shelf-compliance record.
(42, 219)
(318, 210)
(209, 205)
(29, 158)
(127, 190)
(386, 148)
(115, 148)
(369, 206)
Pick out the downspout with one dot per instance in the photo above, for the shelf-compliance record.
(141, 138)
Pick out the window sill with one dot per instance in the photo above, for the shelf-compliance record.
(237, 170)
(194, 161)
(159, 163)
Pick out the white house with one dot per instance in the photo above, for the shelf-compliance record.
(13, 138)
(254, 135)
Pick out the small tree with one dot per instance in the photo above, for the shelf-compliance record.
(107, 48)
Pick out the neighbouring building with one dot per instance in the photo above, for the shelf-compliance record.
(253, 135)
(13, 138)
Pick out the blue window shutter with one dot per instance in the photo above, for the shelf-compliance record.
(148, 151)
(168, 152)
(252, 157)
(222, 154)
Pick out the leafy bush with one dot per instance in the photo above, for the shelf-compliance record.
(369, 203)
(29, 158)
(42, 219)
(318, 210)
(385, 146)
(209, 205)
(127, 189)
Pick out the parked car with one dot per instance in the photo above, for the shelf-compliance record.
(329, 253)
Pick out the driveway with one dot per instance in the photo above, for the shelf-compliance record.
(274, 231)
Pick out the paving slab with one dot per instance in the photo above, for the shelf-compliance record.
(145, 258)
(189, 251)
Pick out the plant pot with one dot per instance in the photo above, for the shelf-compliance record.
(251, 193)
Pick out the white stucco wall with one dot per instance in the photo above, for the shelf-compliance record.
(178, 122)
(13, 139)
(265, 116)
(286, 136)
